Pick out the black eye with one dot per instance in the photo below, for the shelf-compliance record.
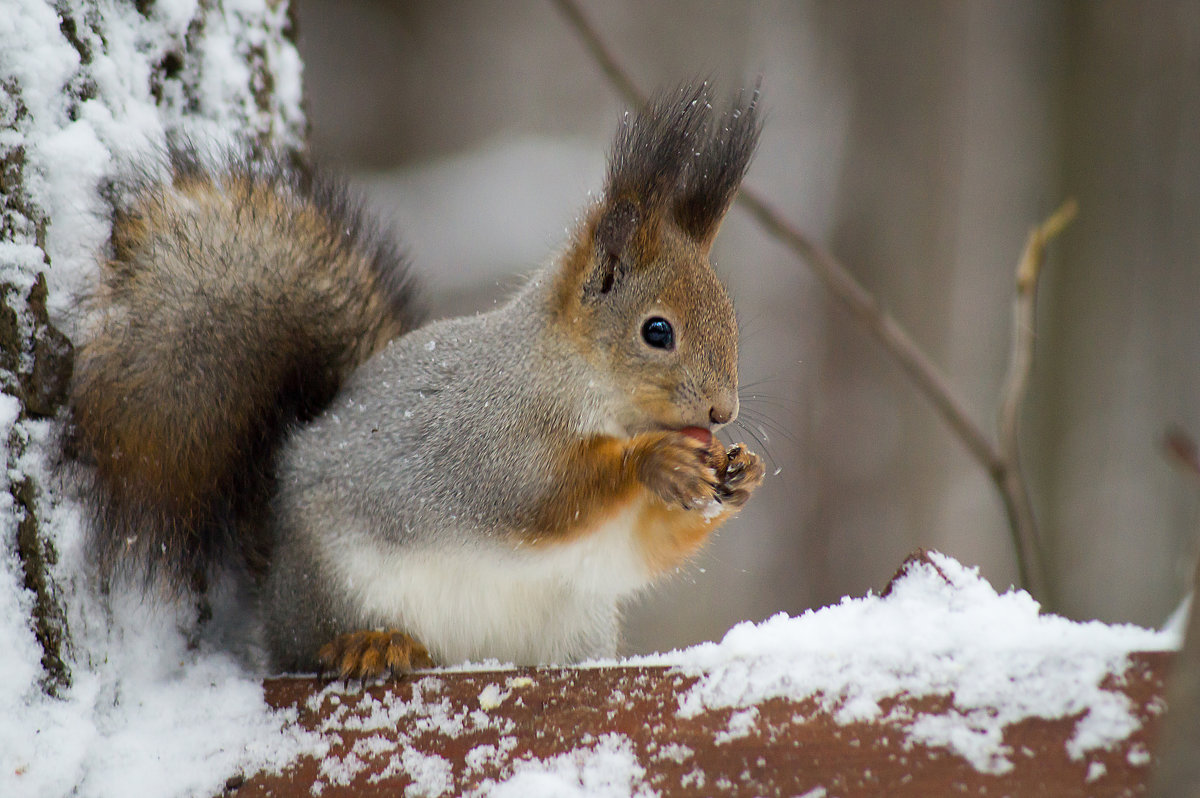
(658, 332)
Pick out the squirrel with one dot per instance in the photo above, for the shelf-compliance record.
(256, 391)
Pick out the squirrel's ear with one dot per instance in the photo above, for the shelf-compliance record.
(677, 160)
(673, 162)
(647, 164)
(654, 149)
(611, 244)
(718, 167)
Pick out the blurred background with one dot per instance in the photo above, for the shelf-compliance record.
(919, 141)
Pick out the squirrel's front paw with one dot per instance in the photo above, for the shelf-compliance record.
(366, 654)
(679, 469)
(741, 472)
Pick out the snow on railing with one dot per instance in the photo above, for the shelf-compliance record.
(939, 686)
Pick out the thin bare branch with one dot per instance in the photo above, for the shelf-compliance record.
(1182, 450)
(620, 79)
(863, 306)
(1004, 472)
(1178, 772)
(1014, 492)
(894, 338)
(1024, 317)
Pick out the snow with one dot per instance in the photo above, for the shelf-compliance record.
(153, 719)
(431, 775)
(610, 769)
(1138, 756)
(1095, 772)
(675, 752)
(411, 722)
(741, 723)
(146, 712)
(150, 712)
(942, 631)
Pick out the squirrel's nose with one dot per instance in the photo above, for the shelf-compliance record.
(721, 415)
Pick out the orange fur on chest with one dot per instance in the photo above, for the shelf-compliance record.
(667, 536)
(598, 486)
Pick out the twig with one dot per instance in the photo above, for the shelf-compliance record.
(1017, 505)
(1183, 451)
(1178, 772)
(1024, 317)
(894, 338)
(1004, 472)
(608, 63)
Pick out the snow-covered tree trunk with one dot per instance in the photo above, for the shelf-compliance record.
(90, 90)
(87, 88)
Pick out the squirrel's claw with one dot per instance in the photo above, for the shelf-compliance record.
(742, 473)
(367, 654)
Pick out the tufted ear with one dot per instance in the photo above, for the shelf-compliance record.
(676, 162)
(718, 167)
(679, 160)
(612, 243)
(655, 149)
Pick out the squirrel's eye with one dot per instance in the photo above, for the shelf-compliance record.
(658, 332)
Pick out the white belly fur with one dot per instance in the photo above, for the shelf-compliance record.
(531, 605)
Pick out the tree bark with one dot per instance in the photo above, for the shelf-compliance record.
(131, 74)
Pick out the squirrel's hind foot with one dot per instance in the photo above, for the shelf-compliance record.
(367, 654)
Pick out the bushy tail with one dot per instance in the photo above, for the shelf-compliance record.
(238, 299)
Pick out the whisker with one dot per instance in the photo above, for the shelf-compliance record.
(762, 447)
(770, 378)
(783, 403)
(769, 423)
(765, 409)
(749, 432)
(751, 328)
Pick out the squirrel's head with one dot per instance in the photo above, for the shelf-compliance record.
(637, 292)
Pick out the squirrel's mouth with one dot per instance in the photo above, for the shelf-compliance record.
(702, 434)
